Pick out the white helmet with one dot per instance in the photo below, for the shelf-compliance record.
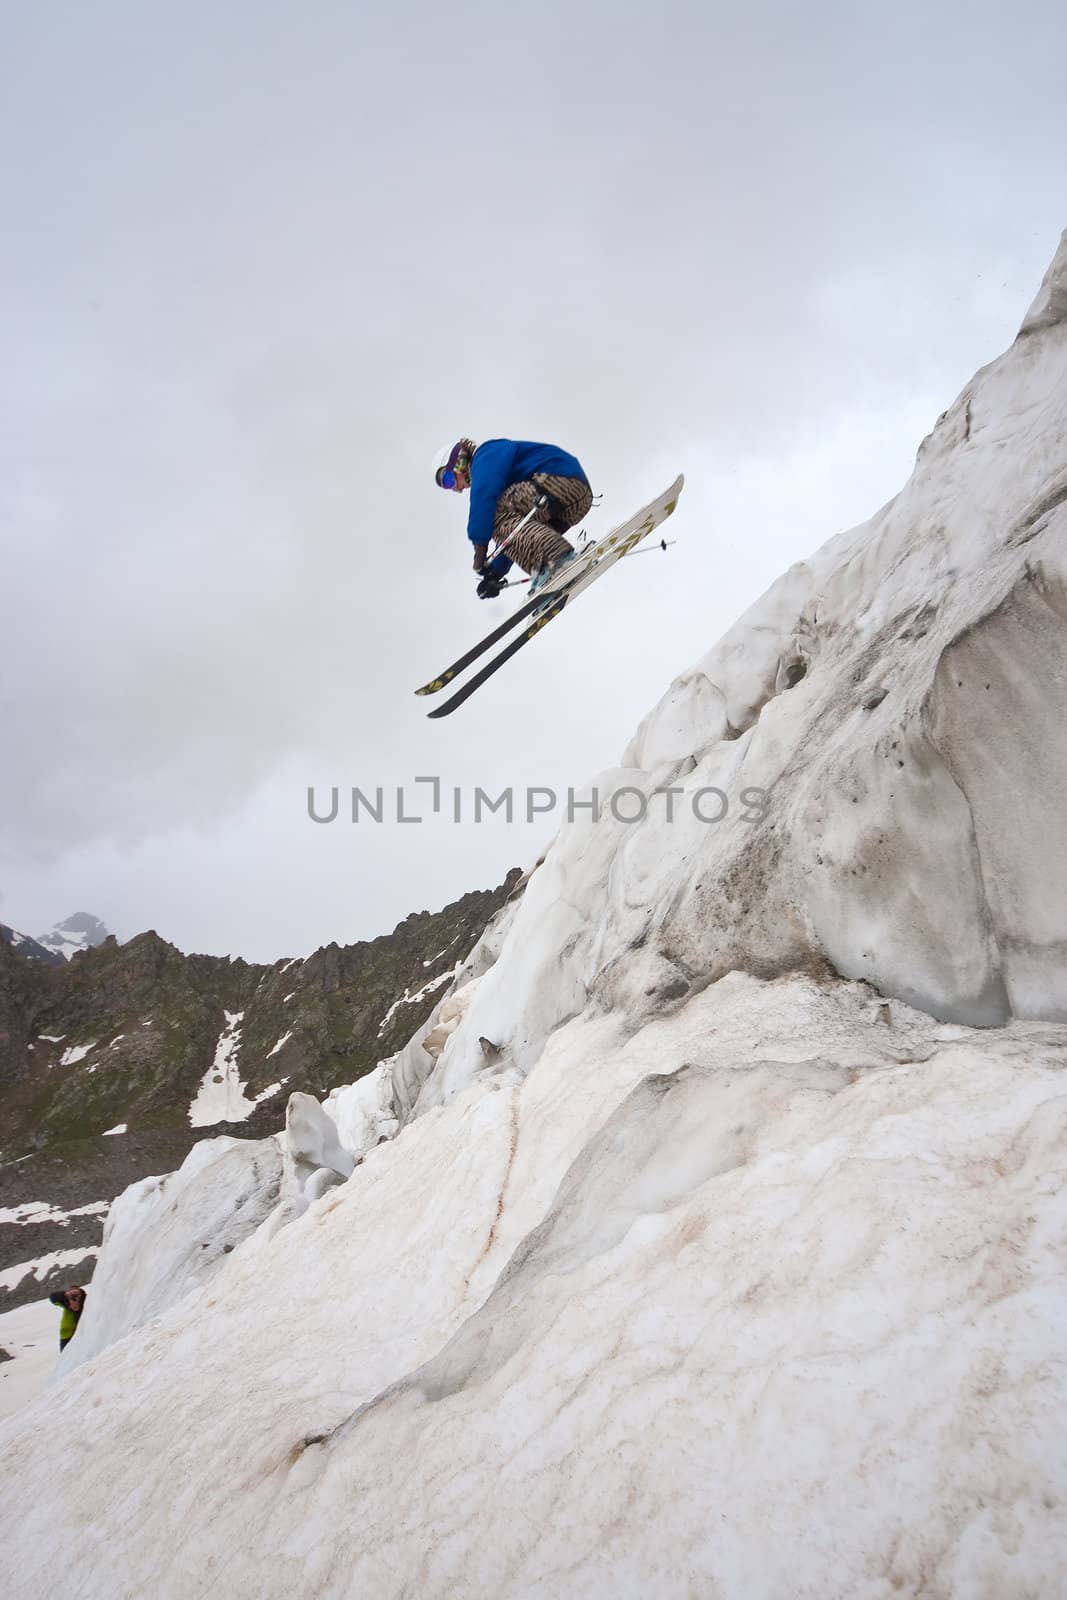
(448, 455)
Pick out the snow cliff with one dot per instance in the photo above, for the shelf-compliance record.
(710, 1237)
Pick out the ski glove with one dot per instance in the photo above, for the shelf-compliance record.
(489, 587)
(481, 555)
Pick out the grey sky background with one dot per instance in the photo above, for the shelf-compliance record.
(261, 260)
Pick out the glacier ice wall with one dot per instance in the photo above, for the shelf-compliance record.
(884, 729)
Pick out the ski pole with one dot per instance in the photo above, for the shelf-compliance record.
(541, 501)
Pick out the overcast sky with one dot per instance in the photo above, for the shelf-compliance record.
(260, 260)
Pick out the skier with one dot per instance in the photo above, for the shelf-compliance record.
(589, 565)
(507, 478)
(73, 1302)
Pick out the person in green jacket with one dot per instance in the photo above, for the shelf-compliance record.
(73, 1302)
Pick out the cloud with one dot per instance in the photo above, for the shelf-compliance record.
(257, 269)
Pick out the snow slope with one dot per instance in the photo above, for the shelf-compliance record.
(810, 1281)
(29, 1340)
(716, 1242)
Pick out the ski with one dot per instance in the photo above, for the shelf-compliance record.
(617, 543)
(527, 609)
(566, 586)
(467, 689)
(479, 649)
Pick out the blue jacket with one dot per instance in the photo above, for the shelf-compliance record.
(496, 465)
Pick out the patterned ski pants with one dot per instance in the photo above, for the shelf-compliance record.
(542, 538)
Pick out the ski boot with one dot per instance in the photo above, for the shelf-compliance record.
(547, 572)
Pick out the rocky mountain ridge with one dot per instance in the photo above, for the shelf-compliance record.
(103, 1057)
(31, 949)
(82, 931)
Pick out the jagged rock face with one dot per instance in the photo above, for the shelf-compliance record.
(875, 752)
(130, 1036)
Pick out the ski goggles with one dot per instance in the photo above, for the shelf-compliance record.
(458, 461)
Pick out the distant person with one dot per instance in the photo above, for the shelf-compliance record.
(507, 478)
(73, 1302)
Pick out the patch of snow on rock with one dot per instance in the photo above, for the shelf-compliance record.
(14, 1277)
(415, 999)
(221, 1096)
(74, 1053)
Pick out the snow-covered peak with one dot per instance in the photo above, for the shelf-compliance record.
(79, 932)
